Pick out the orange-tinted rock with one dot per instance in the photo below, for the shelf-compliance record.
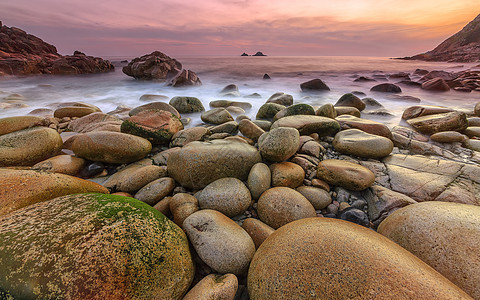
(320, 258)
(20, 188)
(345, 174)
(65, 164)
(444, 235)
(372, 127)
(12, 124)
(214, 287)
(436, 84)
(257, 230)
(453, 121)
(287, 174)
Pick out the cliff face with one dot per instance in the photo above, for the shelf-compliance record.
(24, 54)
(464, 46)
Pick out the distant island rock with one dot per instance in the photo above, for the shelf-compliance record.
(161, 67)
(256, 54)
(464, 46)
(25, 54)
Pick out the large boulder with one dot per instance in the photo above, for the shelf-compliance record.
(92, 246)
(220, 242)
(359, 143)
(320, 258)
(110, 147)
(281, 98)
(155, 65)
(350, 99)
(185, 78)
(29, 146)
(95, 122)
(424, 110)
(444, 235)
(199, 163)
(185, 105)
(279, 144)
(20, 188)
(314, 85)
(11, 124)
(386, 88)
(157, 126)
(345, 174)
(154, 105)
(436, 84)
(307, 125)
(452, 121)
(369, 126)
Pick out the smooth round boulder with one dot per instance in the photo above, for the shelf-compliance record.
(359, 143)
(156, 190)
(345, 174)
(281, 98)
(250, 129)
(281, 205)
(20, 188)
(424, 110)
(157, 126)
(214, 286)
(65, 164)
(322, 258)
(287, 174)
(73, 111)
(11, 124)
(257, 230)
(29, 146)
(220, 242)
(93, 246)
(110, 147)
(386, 88)
(279, 144)
(216, 116)
(453, 121)
(199, 163)
(352, 122)
(188, 135)
(476, 109)
(297, 109)
(95, 122)
(185, 105)
(259, 180)
(347, 110)
(307, 125)
(227, 103)
(154, 105)
(449, 236)
(227, 195)
(319, 198)
(327, 110)
(448, 137)
(472, 131)
(351, 100)
(269, 110)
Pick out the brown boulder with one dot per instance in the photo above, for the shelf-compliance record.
(372, 127)
(453, 121)
(345, 174)
(11, 124)
(436, 84)
(155, 65)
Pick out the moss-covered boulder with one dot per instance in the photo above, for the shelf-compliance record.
(297, 109)
(20, 188)
(157, 126)
(185, 105)
(29, 146)
(93, 246)
(307, 124)
(110, 147)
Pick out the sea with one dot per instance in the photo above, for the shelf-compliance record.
(109, 90)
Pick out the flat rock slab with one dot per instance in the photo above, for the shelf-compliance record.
(428, 179)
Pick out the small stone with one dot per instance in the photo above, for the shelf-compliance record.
(281, 98)
(214, 286)
(279, 144)
(287, 174)
(216, 116)
(181, 206)
(156, 190)
(355, 215)
(314, 85)
(351, 100)
(259, 180)
(386, 88)
(319, 198)
(257, 230)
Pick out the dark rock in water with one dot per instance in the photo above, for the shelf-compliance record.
(355, 215)
(314, 85)
(281, 98)
(438, 74)
(254, 95)
(420, 72)
(436, 84)
(464, 46)
(364, 79)
(409, 83)
(92, 169)
(350, 99)
(404, 98)
(386, 88)
(401, 75)
(155, 65)
(372, 103)
(259, 54)
(185, 105)
(244, 54)
(462, 89)
(26, 54)
(229, 88)
(266, 76)
(358, 93)
(185, 78)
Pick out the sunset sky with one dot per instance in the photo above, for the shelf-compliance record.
(230, 27)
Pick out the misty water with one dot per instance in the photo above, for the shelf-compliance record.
(109, 90)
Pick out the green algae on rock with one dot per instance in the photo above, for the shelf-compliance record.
(93, 246)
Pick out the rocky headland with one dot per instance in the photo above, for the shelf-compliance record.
(300, 201)
(464, 46)
(25, 54)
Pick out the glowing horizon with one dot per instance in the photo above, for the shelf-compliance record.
(231, 27)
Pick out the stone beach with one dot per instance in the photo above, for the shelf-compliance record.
(283, 205)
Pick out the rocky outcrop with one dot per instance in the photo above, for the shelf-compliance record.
(162, 67)
(25, 54)
(464, 46)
